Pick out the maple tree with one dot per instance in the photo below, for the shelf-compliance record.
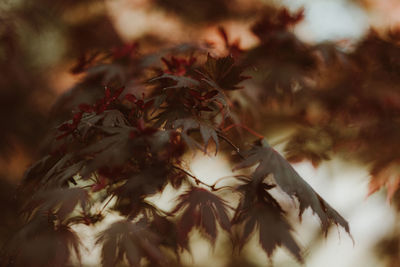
(130, 148)
(137, 114)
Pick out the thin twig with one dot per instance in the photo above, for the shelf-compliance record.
(223, 178)
(244, 127)
(94, 178)
(197, 180)
(86, 186)
(237, 149)
(108, 201)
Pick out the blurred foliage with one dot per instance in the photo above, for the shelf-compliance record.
(339, 102)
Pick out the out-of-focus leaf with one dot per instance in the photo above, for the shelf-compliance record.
(53, 170)
(167, 229)
(109, 72)
(40, 243)
(387, 175)
(61, 202)
(178, 66)
(131, 194)
(312, 144)
(181, 81)
(207, 132)
(111, 151)
(197, 12)
(133, 241)
(275, 22)
(114, 118)
(223, 72)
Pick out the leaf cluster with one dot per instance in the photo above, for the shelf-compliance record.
(130, 147)
(136, 117)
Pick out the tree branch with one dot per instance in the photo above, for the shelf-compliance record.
(229, 142)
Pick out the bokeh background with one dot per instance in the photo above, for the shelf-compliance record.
(45, 45)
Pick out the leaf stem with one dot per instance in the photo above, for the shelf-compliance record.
(229, 142)
(108, 202)
(196, 180)
(223, 178)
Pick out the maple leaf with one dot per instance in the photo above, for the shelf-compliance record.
(176, 178)
(112, 150)
(311, 144)
(273, 22)
(271, 162)
(206, 130)
(109, 98)
(88, 121)
(84, 62)
(114, 118)
(167, 117)
(163, 139)
(54, 170)
(70, 127)
(133, 241)
(202, 209)
(109, 72)
(167, 229)
(138, 186)
(259, 210)
(199, 101)
(84, 120)
(233, 48)
(40, 243)
(283, 63)
(288, 19)
(223, 72)
(125, 51)
(385, 175)
(178, 66)
(61, 201)
(197, 13)
(40, 168)
(181, 81)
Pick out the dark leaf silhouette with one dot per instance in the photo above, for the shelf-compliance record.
(271, 162)
(60, 202)
(126, 130)
(53, 170)
(112, 150)
(178, 66)
(167, 230)
(223, 72)
(207, 131)
(132, 193)
(273, 22)
(181, 81)
(41, 243)
(201, 209)
(194, 11)
(114, 118)
(258, 210)
(133, 241)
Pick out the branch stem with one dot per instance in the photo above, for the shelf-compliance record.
(229, 142)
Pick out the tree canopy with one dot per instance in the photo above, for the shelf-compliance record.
(126, 130)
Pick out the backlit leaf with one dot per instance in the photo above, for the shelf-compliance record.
(201, 209)
(271, 162)
(135, 241)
